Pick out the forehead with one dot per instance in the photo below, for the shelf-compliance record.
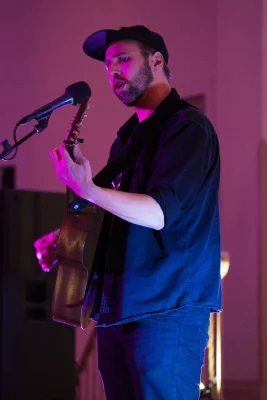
(125, 46)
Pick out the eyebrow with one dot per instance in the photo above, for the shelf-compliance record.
(118, 54)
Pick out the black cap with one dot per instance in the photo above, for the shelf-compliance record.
(95, 45)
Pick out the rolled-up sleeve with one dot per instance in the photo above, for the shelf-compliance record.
(181, 165)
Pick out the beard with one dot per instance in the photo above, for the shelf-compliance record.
(136, 87)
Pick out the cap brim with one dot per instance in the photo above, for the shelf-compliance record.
(95, 45)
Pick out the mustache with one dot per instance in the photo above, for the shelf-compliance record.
(122, 80)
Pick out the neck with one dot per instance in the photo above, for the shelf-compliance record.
(151, 98)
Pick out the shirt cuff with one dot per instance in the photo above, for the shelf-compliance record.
(168, 202)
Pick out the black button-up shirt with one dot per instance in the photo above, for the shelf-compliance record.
(176, 268)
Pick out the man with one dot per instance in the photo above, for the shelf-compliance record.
(161, 266)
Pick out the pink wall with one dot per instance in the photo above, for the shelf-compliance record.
(239, 125)
(41, 54)
(214, 49)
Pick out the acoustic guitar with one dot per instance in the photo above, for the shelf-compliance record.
(73, 295)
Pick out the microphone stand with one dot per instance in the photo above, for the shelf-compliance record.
(42, 124)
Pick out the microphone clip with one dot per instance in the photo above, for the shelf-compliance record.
(42, 123)
(8, 149)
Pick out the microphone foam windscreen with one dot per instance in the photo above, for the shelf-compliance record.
(78, 91)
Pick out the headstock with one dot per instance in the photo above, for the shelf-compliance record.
(72, 135)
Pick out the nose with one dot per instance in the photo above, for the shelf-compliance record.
(114, 69)
(115, 72)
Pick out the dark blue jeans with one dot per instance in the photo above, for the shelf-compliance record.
(156, 358)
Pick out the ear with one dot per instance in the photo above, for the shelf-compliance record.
(157, 61)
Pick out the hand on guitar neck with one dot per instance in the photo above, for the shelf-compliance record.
(45, 246)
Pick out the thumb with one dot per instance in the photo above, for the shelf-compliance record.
(55, 155)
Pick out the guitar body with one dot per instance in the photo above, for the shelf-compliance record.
(75, 283)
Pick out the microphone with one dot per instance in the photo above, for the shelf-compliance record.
(74, 94)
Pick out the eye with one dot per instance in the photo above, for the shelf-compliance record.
(123, 59)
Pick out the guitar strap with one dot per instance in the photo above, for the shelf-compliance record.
(145, 133)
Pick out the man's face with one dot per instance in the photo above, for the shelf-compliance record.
(129, 72)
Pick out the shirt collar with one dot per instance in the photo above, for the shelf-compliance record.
(162, 110)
